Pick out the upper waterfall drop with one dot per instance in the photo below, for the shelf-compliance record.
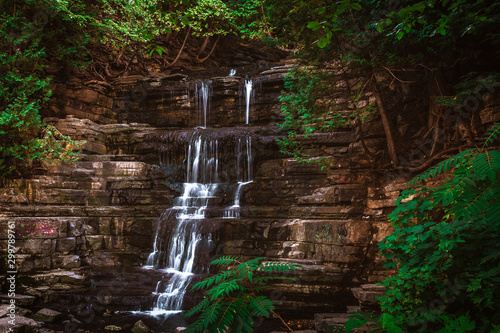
(203, 93)
(249, 96)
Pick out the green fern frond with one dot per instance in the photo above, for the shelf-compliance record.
(196, 327)
(261, 306)
(198, 308)
(225, 261)
(225, 288)
(227, 317)
(491, 135)
(277, 267)
(452, 189)
(448, 232)
(251, 264)
(243, 322)
(492, 210)
(493, 163)
(211, 313)
(443, 166)
(216, 279)
(473, 207)
(245, 326)
(206, 318)
(231, 299)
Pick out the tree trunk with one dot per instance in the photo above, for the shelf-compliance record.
(385, 122)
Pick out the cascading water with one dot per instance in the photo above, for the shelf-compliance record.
(244, 162)
(248, 99)
(187, 214)
(181, 257)
(202, 96)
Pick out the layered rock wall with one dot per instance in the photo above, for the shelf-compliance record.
(101, 211)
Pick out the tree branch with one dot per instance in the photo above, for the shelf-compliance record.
(213, 48)
(180, 51)
(385, 121)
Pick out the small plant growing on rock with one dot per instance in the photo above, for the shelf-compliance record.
(232, 296)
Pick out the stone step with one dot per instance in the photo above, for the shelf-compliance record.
(321, 212)
(115, 298)
(338, 137)
(73, 278)
(107, 158)
(324, 322)
(353, 308)
(116, 168)
(20, 300)
(367, 295)
(132, 278)
(22, 324)
(83, 211)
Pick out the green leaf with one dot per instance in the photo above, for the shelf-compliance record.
(311, 25)
(184, 20)
(323, 42)
(356, 6)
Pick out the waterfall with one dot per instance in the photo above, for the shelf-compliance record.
(187, 215)
(233, 212)
(202, 99)
(180, 246)
(244, 169)
(248, 99)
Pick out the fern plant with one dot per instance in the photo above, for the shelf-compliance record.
(232, 297)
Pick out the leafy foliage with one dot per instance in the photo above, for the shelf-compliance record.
(24, 88)
(446, 240)
(471, 84)
(232, 296)
(34, 33)
(383, 33)
(446, 249)
(308, 110)
(446, 245)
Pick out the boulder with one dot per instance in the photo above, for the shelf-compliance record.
(112, 328)
(21, 324)
(47, 315)
(140, 327)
